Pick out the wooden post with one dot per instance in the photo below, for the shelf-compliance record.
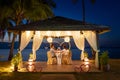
(97, 52)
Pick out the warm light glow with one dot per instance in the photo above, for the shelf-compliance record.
(68, 33)
(12, 68)
(86, 61)
(30, 61)
(67, 39)
(57, 33)
(37, 33)
(27, 33)
(31, 68)
(86, 66)
(48, 33)
(49, 39)
(30, 65)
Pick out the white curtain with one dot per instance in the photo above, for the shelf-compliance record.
(37, 40)
(79, 41)
(25, 39)
(92, 40)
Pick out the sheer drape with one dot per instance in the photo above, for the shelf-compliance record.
(37, 40)
(92, 40)
(25, 39)
(79, 41)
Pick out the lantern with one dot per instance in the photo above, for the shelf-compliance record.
(31, 66)
(49, 39)
(67, 39)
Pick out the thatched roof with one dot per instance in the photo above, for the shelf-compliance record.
(60, 23)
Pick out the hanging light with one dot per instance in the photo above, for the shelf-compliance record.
(67, 39)
(49, 39)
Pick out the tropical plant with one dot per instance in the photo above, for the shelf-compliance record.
(16, 61)
(17, 10)
(85, 54)
(104, 58)
(83, 7)
(31, 56)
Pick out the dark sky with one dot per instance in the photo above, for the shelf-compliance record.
(103, 12)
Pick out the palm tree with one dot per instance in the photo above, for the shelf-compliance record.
(83, 19)
(4, 12)
(29, 9)
(83, 8)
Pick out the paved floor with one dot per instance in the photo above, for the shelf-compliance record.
(60, 68)
(58, 77)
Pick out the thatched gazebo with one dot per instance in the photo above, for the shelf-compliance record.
(61, 27)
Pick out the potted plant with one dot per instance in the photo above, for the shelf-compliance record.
(31, 56)
(85, 54)
(16, 61)
(104, 66)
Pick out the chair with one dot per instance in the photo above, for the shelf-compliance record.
(66, 59)
(50, 59)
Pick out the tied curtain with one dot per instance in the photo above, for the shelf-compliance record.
(37, 40)
(92, 40)
(78, 38)
(25, 39)
(79, 41)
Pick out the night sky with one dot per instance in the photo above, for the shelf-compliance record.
(103, 12)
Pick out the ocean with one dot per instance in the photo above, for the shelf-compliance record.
(41, 54)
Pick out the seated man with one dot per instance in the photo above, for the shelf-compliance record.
(51, 55)
(66, 55)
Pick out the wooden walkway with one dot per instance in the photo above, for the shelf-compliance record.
(58, 68)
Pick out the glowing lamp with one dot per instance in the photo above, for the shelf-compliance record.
(31, 65)
(67, 39)
(49, 39)
(86, 61)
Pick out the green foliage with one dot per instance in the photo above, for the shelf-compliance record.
(16, 59)
(31, 56)
(85, 54)
(104, 58)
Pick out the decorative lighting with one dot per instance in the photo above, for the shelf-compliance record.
(37, 33)
(67, 39)
(31, 65)
(86, 60)
(49, 39)
(68, 33)
(57, 33)
(48, 33)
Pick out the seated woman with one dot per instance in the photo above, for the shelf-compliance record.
(51, 55)
(66, 56)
